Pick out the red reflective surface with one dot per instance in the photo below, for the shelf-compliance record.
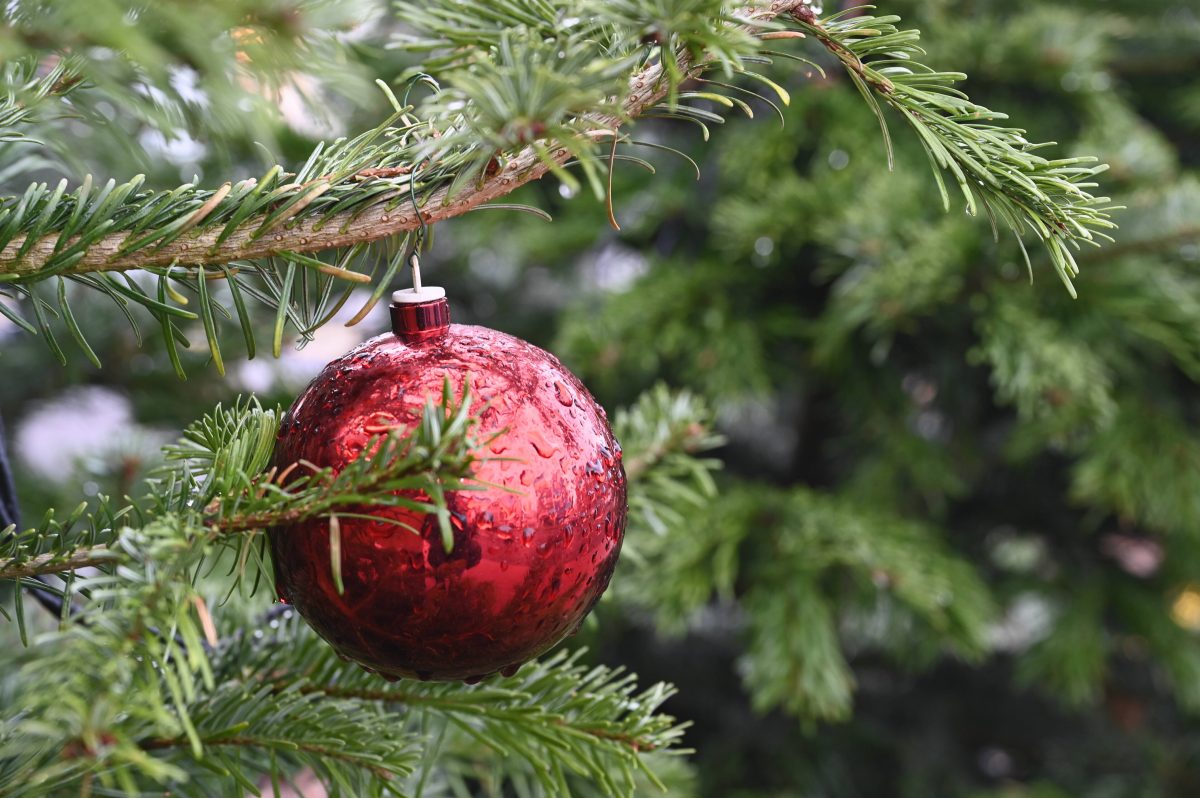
(525, 568)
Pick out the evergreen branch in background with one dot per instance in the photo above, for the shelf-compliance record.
(794, 658)
(1071, 661)
(890, 564)
(994, 167)
(1158, 220)
(26, 87)
(663, 436)
(1142, 466)
(1054, 380)
(213, 71)
(819, 545)
(660, 433)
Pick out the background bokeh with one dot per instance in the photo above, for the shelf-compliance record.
(956, 545)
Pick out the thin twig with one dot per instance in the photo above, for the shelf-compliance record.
(451, 704)
(56, 563)
(685, 439)
(255, 742)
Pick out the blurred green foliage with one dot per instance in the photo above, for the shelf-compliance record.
(954, 548)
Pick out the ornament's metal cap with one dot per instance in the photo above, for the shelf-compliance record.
(415, 295)
(420, 314)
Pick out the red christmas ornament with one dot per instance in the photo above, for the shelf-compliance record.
(525, 567)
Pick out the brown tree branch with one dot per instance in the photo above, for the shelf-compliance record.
(55, 563)
(647, 88)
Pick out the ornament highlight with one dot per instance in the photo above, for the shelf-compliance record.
(525, 567)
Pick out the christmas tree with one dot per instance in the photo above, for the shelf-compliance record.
(945, 500)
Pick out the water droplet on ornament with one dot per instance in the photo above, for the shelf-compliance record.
(510, 670)
(390, 677)
(540, 444)
(564, 395)
(527, 533)
(594, 467)
(474, 679)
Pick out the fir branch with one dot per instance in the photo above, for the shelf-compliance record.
(994, 167)
(394, 470)
(242, 227)
(553, 716)
(26, 87)
(794, 657)
(839, 563)
(216, 481)
(245, 741)
(137, 614)
(484, 704)
(136, 676)
(663, 424)
(57, 563)
(513, 111)
(662, 436)
(84, 537)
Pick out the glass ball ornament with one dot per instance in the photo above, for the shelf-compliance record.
(530, 557)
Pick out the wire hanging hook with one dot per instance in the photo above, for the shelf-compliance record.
(423, 231)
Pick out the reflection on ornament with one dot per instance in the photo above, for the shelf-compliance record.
(526, 564)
